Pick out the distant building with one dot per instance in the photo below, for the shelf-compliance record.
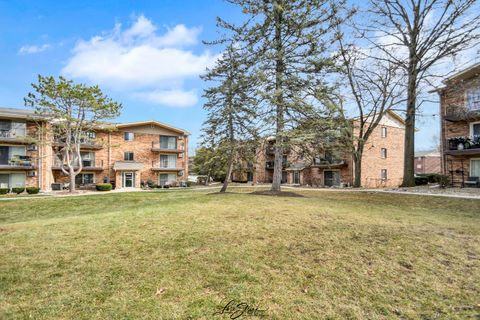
(382, 161)
(428, 162)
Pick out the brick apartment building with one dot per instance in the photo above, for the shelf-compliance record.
(428, 161)
(382, 162)
(460, 125)
(126, 154)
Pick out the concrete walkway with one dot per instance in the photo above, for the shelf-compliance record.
(51, 195)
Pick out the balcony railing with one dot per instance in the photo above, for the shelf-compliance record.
(85, 143)
(461, 113)
(18, 162)
(165, 167)
(271, 164)
(158, 147)
(464, 145)
(12, 134)
(88, 165)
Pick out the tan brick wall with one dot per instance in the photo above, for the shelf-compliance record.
(373, 163)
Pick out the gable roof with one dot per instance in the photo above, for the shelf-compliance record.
(469, 72)
(151, 122)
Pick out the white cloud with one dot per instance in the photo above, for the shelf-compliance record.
(172, 98)
(27, 49)
(138, 59)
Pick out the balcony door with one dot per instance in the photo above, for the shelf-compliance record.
(3, 155)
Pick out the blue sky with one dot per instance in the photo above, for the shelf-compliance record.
(145, 54)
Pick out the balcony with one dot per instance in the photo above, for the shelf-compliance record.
(271, 164)
(163, 166)
(464, 146)
(158, 147)
(18, 163)
(461, 113)
(87, 144)
(329, 163)
(87, 165)
(13, 136)
(270, 150)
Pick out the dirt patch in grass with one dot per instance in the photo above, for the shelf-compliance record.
(278, 194)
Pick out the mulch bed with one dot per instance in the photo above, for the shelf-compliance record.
(278, 194)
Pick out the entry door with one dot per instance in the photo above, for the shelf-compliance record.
(128, 179)
(332, 178)
(296, 177)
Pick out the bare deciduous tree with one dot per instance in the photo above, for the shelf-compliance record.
(376, 87)
(416, 35)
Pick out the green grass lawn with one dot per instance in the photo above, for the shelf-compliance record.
(179, 255)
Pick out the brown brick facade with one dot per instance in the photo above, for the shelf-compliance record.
(107, 155)
(304, 172)
(457, 121)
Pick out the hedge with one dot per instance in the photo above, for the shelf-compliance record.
(104, 187)
(18, 190)
(33, 190)
(4, 190)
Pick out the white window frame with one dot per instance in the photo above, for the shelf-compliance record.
(471, 127)
(466, 97)
(125, 133)
(470, 172)
(129, 152)
(384, 131)
(383, 156)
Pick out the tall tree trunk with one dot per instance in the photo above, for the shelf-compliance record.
(72, 180)
(229, 174)
(357, 159)
(409, 152)
(279, 72)
(231, 153)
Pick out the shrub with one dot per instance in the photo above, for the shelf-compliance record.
(189, 183)
(33, 190)
(18, 190)
(158, 186)
(421, 180)
(442, 180)
(4, 190)
(166, 186)
(172, 183)
(104, 187)
(151, 184)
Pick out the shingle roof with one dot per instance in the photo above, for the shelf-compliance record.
(18, 113)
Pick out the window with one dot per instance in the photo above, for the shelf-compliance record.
(383, 153)
(168, 161)
(383, 174)
(475, 129)
(12, 180)
(85, 178)
(128, 156)
(473, 99)
(88, 159)
(167, 142)
(419, 166)
(128, 136)
(166, 178)
(384, 132)
(475, 168)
